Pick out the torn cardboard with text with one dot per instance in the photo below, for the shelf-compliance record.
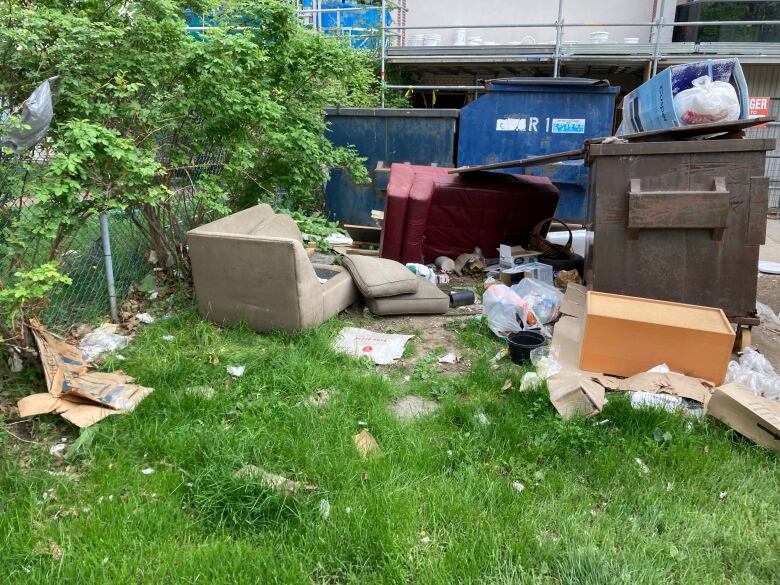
(78, 395)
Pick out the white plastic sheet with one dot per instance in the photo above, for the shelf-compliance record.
(754, 371)
(506, 312)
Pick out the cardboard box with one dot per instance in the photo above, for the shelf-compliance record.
(624, 336)
(651, 105)
(755, 417)
(510, 256)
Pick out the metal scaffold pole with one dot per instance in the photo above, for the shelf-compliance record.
(659, 23)
(558, 39)
(382, 24)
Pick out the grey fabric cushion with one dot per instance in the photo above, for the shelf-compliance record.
(428, 300)
(379, 277)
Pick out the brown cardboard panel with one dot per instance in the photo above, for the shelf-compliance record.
(624, 336)
(755, 417)
(573, 393)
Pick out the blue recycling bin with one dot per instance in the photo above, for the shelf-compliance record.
(386, 136)
(524, 117)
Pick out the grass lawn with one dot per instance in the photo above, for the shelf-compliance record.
(437, 505)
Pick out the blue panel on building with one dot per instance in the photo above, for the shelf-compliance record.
(422, 137)
(520, 118)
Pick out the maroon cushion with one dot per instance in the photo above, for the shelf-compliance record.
(417, 209)
(401, 179)
(484, 210)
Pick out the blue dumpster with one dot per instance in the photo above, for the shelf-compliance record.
(524, 117)
(384, 136)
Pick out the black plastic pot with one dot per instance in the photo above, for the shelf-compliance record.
(521, 344)
(569, 261)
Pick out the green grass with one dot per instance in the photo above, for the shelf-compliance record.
(437, 506)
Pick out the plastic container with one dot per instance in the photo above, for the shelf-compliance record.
(461, 298)
(459, 37)
(521, 344)
(415, 40)
(599, 37)
(631, 40)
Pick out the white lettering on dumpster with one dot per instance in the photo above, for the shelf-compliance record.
(511, 125)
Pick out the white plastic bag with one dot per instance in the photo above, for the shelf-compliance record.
(506, 312)
(707, 101)
(754, 371)
(544, 299)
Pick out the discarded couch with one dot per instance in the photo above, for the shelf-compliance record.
(252, 266)
(389, 288)
(432, 213)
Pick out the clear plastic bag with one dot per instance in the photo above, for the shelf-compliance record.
(707, 101)
(544, 299)
(506, 312)
(754, 371)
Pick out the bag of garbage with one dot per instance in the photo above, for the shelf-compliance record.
(36, 116)
(506, 312)
(707, 101)
(545, 300)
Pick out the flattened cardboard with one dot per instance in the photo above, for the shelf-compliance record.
(755, 417)
(60, 360)
(78, 395)
(657, 383)
(81, 414)
(573, 393)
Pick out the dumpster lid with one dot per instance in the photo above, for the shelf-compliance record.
(550, 81)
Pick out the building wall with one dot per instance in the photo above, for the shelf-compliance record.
(484, 12)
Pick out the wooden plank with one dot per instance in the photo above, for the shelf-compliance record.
(364, 233)
(759, 202)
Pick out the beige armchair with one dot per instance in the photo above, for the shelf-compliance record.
(252, 266)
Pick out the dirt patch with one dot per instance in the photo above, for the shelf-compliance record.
(411, 407)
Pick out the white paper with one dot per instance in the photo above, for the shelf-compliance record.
(381, 348)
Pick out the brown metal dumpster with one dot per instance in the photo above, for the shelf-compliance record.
(679, 221)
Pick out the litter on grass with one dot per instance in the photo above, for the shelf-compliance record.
(642, 466)
(449, 358)
(530, 380)
(145, 318)
(324, 509)
(381, 348)
(647, 399)
(366, 444)
(102, 340)
(236, 371)
(274, 481)
(78, 395)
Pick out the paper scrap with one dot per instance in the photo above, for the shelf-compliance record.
(366, 444)
(381, 348)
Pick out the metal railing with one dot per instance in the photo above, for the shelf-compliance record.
(557, 53)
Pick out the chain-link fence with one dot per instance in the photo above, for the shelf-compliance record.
(82, 258)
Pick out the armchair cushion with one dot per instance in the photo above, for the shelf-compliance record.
(379, 277)
(428, 300)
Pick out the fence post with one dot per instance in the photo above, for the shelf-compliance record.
(109, 265)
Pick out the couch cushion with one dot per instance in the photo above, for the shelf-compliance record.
(379, 277)
(428, 300)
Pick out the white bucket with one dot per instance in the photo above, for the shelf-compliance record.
(631, 40)
(431, 40)
(459, 37)
(599, 37)
(414, 40)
